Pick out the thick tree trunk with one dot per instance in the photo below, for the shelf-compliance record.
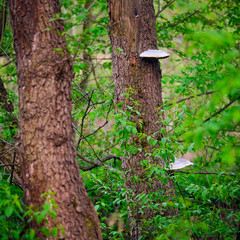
(47, 154)
(132, 29)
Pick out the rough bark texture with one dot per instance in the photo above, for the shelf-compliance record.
(47, 154)
(132, 29)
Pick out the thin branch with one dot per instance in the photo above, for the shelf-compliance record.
(12, 172)
(108, 157)
(214, 148)
(6, 152)
(8, 165)
(188, 98)
(93, 2)
(6, 64)
(84, 116)
(8, 143)
(106, 122)
(207, 173)
(100, 127)
(164, 7)
(92, 149)
(222, 109)
(181, 21)
(97, 163)
(95, 78)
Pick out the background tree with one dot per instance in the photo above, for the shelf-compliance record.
(132, 31)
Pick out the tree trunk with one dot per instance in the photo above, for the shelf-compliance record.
(47, 154)
(3, 17)
(132, 29)
(86, 39)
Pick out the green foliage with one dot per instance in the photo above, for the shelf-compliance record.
(11, 209)
(16, 219)
(43, 214)
(201, 107)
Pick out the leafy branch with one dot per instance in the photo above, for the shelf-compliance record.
(222, 109)
(97, 163)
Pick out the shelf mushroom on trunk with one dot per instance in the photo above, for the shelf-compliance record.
(154, 53)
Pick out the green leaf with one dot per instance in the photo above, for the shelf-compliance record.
(62, 229)
(40, 217)
(153, 142)
(54, 232)
(204, 193)
(190, 148)
(96, 207)
(8, 211)
(32, 234)
(135, 179)
(45, 231)
(47, 206)
(53, 214)
(164, 140)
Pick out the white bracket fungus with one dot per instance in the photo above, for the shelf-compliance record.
(150, 53)
(179, 163)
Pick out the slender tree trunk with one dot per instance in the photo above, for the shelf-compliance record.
(132, 29)
(85, 39)
(47, 154)
(3, 17)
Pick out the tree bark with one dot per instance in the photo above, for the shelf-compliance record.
(47, 154)
(132, 29)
